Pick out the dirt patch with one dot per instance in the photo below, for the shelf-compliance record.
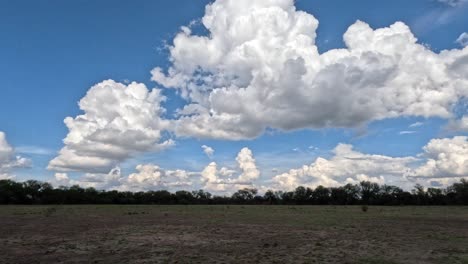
(220, 234)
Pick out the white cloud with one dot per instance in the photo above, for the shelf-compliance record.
(118, 121)
(259, 68)
(346, 166)
(406, 132)
(454, 3)
(463, 39)
(209, 151)
(458, 124)
(147, 177)
(446, 158)
(151, 177)
(416, 124)
(222, 181)
(443, 162)
(8, 160)
(247, 165)
(34, 150)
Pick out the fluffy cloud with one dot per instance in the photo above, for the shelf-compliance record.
(259, 67)
(8, 159)
(209, 151)
(118, 121)
(458, 124)
(463, 39)
(150, 177)
(221, 180)
(443, 162)
(345, 166)
(446, 158)
(147, 177)
(247, 165)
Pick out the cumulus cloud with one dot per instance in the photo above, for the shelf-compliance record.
(209, 151)
(345, 166)
(118, 121)
(147, 177)
(458, 124)
(8, 159)
(443, 162)
(463, 39)
(446, 158)
(151, 177)
(221, 180)
(259, 67)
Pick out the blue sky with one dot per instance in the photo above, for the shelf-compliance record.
(53, 52)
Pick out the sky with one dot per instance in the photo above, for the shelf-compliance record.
(223, 95)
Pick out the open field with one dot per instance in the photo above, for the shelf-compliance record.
(227, 234)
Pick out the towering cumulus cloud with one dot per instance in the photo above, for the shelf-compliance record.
(8, 160)
(118, 121)
(259, 67)
(221, 180)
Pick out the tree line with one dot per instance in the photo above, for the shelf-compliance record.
(368, 193)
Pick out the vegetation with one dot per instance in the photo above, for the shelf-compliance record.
(365, 193)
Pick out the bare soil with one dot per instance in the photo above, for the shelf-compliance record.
(232, 234)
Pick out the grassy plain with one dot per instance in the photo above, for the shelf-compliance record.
(232, 234)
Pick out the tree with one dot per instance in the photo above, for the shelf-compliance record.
(369, 192)
(419, 194)
(302, 195)
(184, 197)
(321, 195)
(461, 191)
(270, 197)
(244, 195)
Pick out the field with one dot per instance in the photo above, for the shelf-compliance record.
(232, 234)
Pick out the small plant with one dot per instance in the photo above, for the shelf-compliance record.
(364, 208)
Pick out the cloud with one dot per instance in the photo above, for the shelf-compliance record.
(443, 162)
(406, 132)
(34, 150)
(147, 177)
(247, 165)
(345, 166)
(259, 68)
(453, 3)
(8, 160)
(458, 124)
(416, 124)
(118, 121)
(463, 39)
(446, 158)
(362, 177)
(222, 181)
(209, 151)
(150, 177)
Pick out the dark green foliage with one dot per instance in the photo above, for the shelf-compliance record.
(365, 193)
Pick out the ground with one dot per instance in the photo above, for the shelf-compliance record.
(232, 234)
